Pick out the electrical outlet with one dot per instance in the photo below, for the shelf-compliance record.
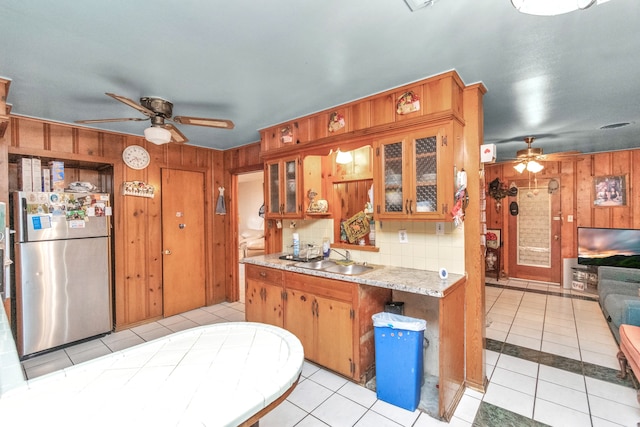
(440, 228)
(292, 224)
(569, 218)
(403, 236)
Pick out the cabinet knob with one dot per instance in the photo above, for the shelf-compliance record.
(166, 252)
(263, 274)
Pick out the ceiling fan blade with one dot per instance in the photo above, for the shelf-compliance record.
(132, 104)
(127, 119)
(176, 135)
(198, 121)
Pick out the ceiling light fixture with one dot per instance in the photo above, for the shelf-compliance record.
(157, 135)
(530, 165)
(552, 7)
(343, 157)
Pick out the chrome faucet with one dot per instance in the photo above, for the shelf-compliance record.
(346, 255)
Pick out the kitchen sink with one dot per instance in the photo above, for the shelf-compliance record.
(333, 267)
(316, 265)
(350, 270)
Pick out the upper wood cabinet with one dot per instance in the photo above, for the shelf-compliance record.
(414, 175)
(283, 188)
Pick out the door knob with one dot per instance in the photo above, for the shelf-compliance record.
(166, 252)
(556, 237)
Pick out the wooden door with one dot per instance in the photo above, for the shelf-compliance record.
(183, 262)
(263, 303)
(534, 233)
(300, 319)
(334, 335)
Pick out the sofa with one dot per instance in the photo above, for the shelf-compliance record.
(619, 296)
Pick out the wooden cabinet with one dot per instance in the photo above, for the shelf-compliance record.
(330, 317)
(264, 292)
(414, 177)
(283, 199)
(320, 313)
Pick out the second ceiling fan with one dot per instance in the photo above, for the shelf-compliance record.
(159, 111)
(529, 158)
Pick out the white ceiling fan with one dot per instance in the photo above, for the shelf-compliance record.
(159, 111)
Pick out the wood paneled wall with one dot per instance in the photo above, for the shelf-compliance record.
(576, 176)
(137, 221)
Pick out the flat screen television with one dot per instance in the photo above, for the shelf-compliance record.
(616, 247)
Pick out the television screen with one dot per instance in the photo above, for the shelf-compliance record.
(616, 247)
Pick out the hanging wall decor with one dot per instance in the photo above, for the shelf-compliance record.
(610, 191)
(409, 102)
(336, 122)
(137, 188)
(286, 134)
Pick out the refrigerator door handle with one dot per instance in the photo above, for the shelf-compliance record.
(24, 237)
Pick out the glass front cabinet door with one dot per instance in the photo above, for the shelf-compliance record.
(415, 175)
(283, 195)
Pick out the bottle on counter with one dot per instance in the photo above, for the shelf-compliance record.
(372, 233)
(326, 248)
(296, 244)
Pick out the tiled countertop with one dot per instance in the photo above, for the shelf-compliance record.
(214, 375)
(423, 282)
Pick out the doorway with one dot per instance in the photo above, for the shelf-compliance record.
(249, 220)
(534, 231)
(183, 245)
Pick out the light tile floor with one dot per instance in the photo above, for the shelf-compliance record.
(550, 360)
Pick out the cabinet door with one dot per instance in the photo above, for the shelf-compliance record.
(415, 175)
(263, 303)
(291, 182)
(300, 319)
(274, 205)
(283, 183)
(432, 170)
(392, 195)
(334, 335)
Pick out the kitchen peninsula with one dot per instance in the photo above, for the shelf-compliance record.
(331, 315)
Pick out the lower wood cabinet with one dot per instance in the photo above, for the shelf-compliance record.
(331, 318)
(263, 297)
(320, 312)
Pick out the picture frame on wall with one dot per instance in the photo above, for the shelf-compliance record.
(610, 190)
(493, 238)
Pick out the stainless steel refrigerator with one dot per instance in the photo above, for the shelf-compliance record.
(62, 268)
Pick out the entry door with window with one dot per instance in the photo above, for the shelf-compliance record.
(534, 233)
(183, 262)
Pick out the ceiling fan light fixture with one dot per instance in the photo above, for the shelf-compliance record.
(534, 167)
(157, 135)
(552, 7)
(343, 157)
(520, 167)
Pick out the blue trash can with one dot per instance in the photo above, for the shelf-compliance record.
(399, 359)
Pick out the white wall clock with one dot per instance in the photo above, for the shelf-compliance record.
(136, 157)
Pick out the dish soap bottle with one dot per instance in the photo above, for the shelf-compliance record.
(326, 248)
(296, 244)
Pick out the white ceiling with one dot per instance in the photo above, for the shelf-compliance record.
(260, 63)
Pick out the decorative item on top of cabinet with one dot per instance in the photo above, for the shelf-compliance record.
(316, 206)
(409, 102)
(415, 176)
(336, 122)
(286, 134)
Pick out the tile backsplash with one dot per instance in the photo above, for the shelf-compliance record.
(425, 250)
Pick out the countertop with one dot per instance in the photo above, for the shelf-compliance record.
(424, 282)
(213, 375)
